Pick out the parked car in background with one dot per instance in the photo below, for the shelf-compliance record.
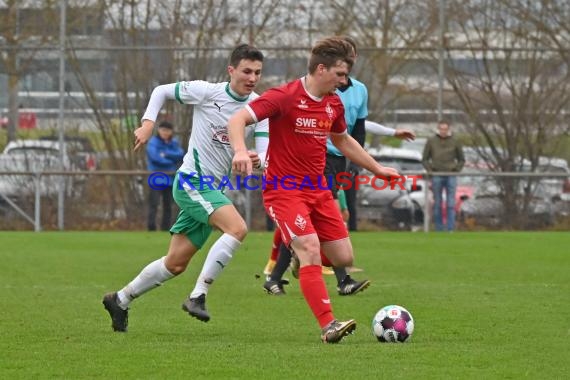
(486, 206)
(408, 162)
(416, 145)
(557, 188)
(38, 156)
(79, 149)
(484, 159)
(394, 207)
(466, 186)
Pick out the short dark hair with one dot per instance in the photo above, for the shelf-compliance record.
(245, 51)
(329, 51)
(443, 121)
(166, 124)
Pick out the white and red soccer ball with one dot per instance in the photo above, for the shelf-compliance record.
(393, 324)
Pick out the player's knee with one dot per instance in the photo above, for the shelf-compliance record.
(177, 269)
(344, 261)
(312, 247)
(238, 231)
(308, 251)
(177, 262)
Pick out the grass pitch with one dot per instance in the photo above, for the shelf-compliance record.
(486, 305)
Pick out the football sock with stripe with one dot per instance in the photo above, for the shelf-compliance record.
(315, 292)
(277, 240)
(153, 275)
(218, 257)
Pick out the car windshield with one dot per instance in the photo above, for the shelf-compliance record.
(75, 143)
(405, 164)
(471, 180)
(37, 151)
(551, 169)
(468, 181)
(417, 144)
(490, 188)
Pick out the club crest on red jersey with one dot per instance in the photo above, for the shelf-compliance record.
(329, 110)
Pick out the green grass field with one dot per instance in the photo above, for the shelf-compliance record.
(486, 306)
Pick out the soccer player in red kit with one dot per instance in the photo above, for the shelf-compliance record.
(302, 114)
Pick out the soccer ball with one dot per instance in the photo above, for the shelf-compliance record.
(393, 324)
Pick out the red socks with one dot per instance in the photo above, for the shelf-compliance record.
(315, 292)
(277, 240)
(325, 260)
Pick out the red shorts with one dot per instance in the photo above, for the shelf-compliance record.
(299, 213)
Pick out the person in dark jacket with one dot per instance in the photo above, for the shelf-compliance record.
(164, 154)
(443, 153)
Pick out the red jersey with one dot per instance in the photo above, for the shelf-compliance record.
(299, 125)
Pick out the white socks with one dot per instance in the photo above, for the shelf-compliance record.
(153, 275)
(218, 257)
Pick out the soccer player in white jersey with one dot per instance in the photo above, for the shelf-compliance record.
(208, 159)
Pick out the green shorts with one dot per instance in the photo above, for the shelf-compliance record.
(196, 206)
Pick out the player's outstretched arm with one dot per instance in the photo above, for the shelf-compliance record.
(405, 134)
(241, 163)
(379, 129)
(355, 153)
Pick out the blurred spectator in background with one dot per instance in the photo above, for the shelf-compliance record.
(164, 154)
(443, 153)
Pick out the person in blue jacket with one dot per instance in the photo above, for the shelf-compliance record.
(164, 154)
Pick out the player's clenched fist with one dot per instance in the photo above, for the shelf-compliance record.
(241, 163)
(143, 133)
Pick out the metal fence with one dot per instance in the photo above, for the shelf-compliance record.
(498, 71)
(118, 200)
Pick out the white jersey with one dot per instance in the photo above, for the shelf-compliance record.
(209, 151)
